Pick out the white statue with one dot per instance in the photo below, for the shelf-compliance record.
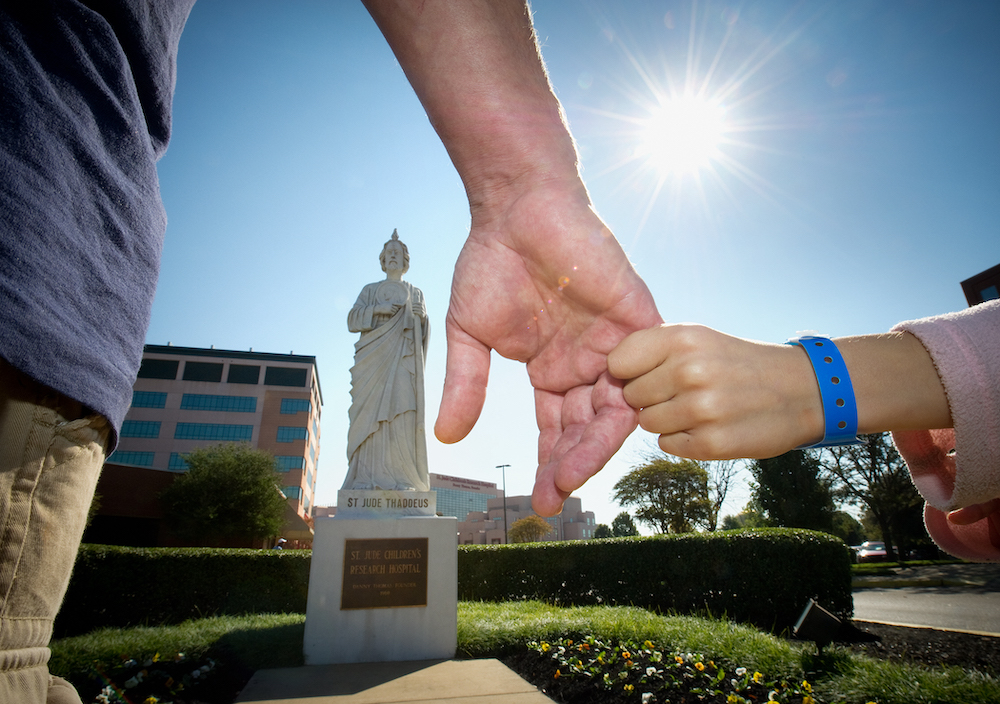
(386, 444)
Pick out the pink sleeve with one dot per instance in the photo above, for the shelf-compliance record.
(959, 467)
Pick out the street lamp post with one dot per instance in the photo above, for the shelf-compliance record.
(503, 471)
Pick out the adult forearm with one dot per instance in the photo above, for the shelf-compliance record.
(476, 68)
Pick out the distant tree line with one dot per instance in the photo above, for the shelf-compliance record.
(799, 489)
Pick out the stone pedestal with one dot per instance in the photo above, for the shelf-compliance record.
(382, 590)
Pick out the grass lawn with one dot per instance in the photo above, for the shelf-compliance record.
(584, 644)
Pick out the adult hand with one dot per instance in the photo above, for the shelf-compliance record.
(989, 510)
(714, 396)
(542, 280)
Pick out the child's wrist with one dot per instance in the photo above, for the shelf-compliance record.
(839, 407)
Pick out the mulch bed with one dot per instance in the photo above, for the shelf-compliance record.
(933, 648)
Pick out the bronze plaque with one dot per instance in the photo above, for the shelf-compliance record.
(384, 573)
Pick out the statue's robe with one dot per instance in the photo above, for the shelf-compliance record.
(386, 443)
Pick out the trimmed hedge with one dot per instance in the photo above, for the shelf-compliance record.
(762, 577)
(120, 586)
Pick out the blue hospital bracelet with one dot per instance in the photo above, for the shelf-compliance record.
(840, 409)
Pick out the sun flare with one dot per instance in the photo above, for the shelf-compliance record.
(682, 135)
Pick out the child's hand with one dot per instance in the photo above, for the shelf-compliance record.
(713, 396)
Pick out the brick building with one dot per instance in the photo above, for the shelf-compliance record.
(188, 397)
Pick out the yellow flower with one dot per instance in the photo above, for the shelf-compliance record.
(699, 666)
(758, 677)
(545, 647)
(679, 659)
(556, 676)
(806, 687)
(627, 655)
(648, 645)
(600, 658)
(629, 687)
(807, 699)
(569, 643)
(150, 700)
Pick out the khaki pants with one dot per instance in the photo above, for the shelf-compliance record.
(51, 453)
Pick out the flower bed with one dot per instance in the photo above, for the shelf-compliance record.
(599, 672)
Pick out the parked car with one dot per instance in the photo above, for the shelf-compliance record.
(871, 551)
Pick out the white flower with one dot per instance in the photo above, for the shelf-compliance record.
(647, 698)
(740, 671)
(650, 671)
(772, 696)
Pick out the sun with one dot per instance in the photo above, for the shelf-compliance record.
(682, 135)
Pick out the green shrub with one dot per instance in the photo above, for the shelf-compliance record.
(762, 577)
(119, 586)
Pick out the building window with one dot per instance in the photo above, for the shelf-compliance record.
(292, 492)
(286, 463)
(290, 433)
(206, 402)
(294, 405)
(202, 371)
(989, 293)
(285, 376)
(177, 462)
(158, 369)
(135, 459)
(141, 429)
(149, 399)
(213, 431)
(243, 374)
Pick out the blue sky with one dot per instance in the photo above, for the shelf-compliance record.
(855, 181)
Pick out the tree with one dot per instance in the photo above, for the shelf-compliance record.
(229, 491)
(848, 528)
(529, 529)
(747, 519)
(720, 476)
(791, 491)
(602, 531)
(623, 526)
(671, 495)
(874, 476)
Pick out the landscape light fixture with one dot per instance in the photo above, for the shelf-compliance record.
(818, 625)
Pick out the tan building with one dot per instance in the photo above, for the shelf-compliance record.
(188, 397)
(487, 527)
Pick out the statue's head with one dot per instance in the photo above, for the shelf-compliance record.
(395, 243)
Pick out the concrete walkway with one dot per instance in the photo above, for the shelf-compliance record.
(485, 681)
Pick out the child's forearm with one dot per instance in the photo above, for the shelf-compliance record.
(713, 396)
(895, 383)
